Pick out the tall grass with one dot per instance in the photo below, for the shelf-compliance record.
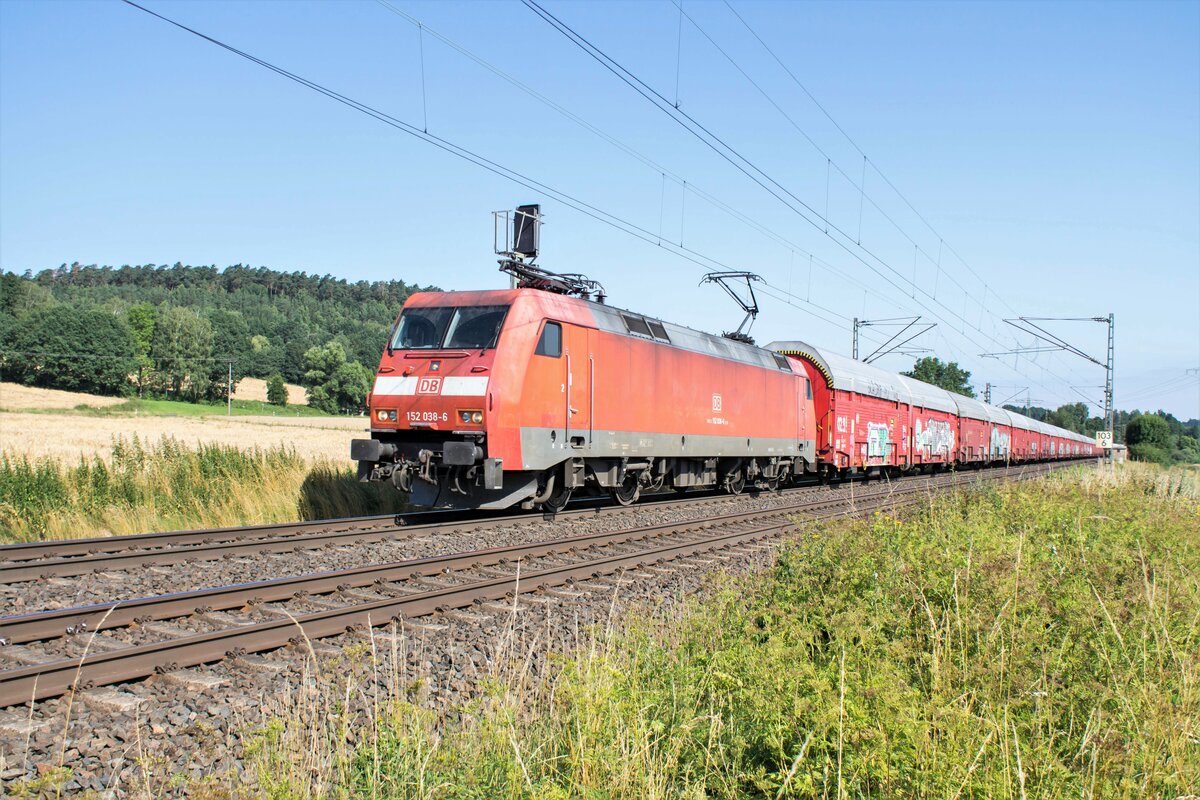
(165, 485)
(1037, 640)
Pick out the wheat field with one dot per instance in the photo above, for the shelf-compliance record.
(67, 437)
(16, 397)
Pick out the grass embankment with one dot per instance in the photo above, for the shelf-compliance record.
(1033, 640)
(178, 408)
(168, 486)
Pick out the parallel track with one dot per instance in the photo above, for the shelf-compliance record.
(62, 559)
(654, 544)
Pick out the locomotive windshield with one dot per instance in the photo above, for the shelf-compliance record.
(449, 327)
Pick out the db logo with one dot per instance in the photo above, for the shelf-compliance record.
(429, 386)
(716, 402)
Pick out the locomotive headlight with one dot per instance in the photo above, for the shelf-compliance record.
(381, 415)
(471, 417)
(392, 415)
(477, 417)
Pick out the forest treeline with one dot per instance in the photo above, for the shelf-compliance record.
(172, 331)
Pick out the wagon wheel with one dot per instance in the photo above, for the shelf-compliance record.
(628, 492)
(735, 482)
(557, 501)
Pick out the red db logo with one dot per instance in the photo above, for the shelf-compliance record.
(429, 386)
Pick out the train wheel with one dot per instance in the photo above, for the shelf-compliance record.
(628, 492)
(735, 482)
(557, 501)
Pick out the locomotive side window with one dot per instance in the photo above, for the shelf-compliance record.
(807, 389)
(550, 343)
(462, 327)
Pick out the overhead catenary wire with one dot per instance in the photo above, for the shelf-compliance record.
(686, 184)
(683, 182)
(700, 259)
(750, 170)
(942, 244)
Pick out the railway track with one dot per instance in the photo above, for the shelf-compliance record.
(70, 558)
(48, 653)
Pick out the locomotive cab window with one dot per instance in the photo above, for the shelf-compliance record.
(550, 342)
(449, 327)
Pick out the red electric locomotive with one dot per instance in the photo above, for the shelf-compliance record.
(522, 396)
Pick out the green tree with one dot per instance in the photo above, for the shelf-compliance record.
(76, 349)
(947, 375)
(335, 384)
(1148, 429)
(183, 347)
(277, 393)
(141, 319)
(1072, 416)
(1149, 438)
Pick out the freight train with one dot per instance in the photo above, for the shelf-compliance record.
(526, 397)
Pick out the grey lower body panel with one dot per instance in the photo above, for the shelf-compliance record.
(542, 448)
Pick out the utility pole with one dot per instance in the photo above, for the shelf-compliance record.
(854, 345)
(1108, 383)
(987, 393)
(229, 392)
(1050, 342)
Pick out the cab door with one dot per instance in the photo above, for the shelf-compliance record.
(579, 369)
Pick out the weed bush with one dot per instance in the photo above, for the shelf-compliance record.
(1034, 640)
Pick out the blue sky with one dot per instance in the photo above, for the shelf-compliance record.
(1051, 152)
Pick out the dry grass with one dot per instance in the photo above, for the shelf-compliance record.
(256, 389)
(67, 437)
(148, 486)
(15, 397)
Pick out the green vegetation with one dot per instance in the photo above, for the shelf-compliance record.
(948, 375)
(180, 408)
(333, 382)
(1157, 436)
(277, 393)
(1037, 640)
(78, 350)
(167, 486)
(171, 332)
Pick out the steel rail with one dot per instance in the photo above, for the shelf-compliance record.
(55, 554)
(203, 548)
(40, 625)
(57, 548)
(35, 682)
(39, 681)
(61, 548)
(208, 550)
